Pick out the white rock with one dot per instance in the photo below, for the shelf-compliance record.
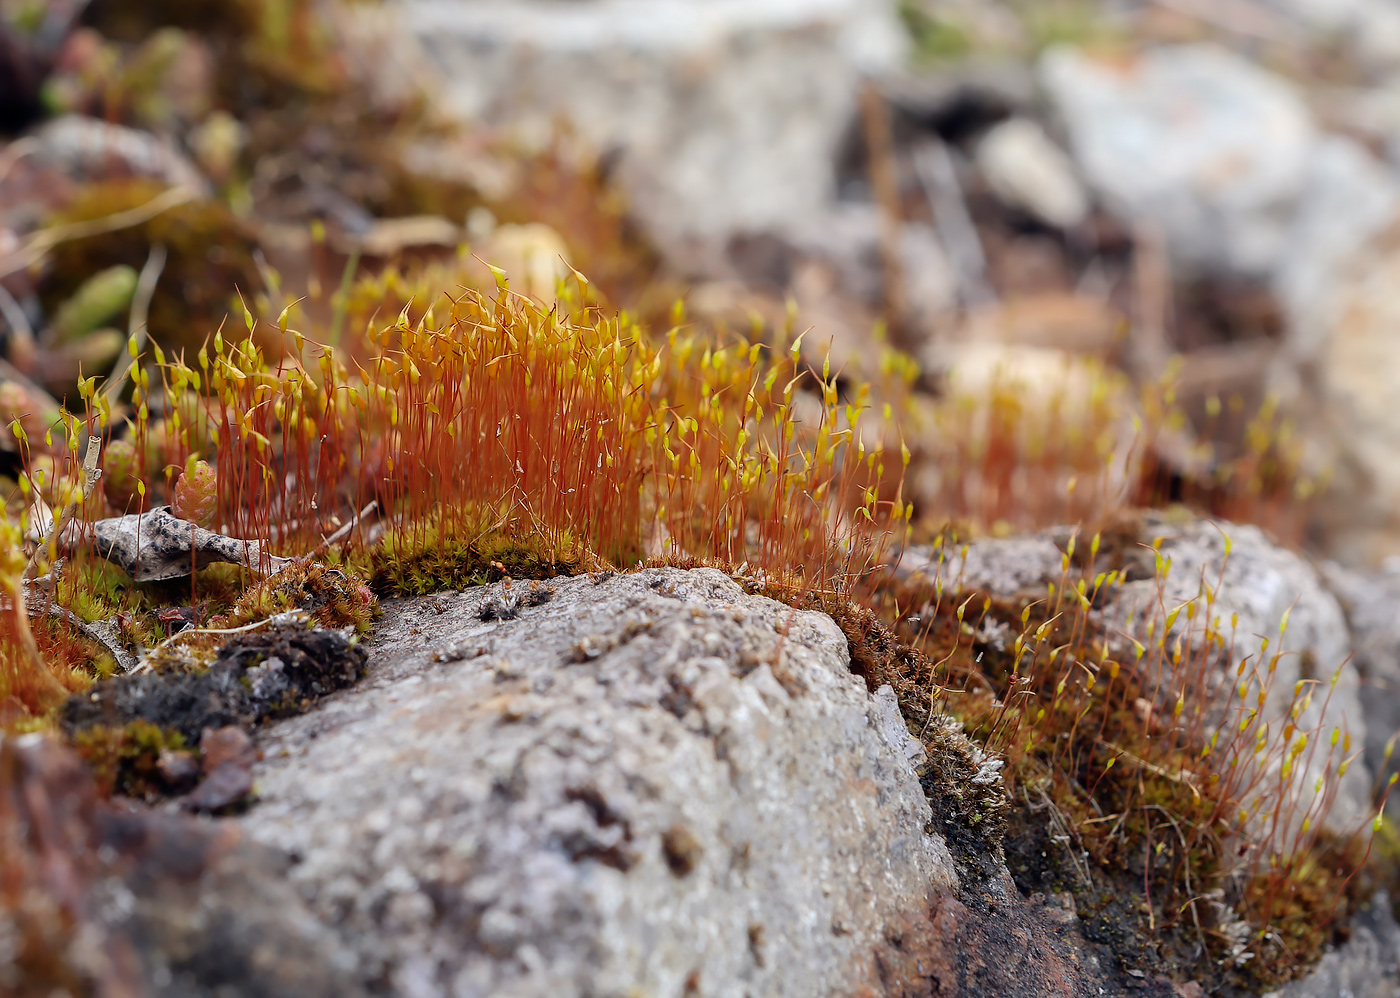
(1348, 199)
(1361, 423)
(846, 238)
(1026, 170)
(1205, 146)
(1372, 27)
(930, 286)
(88, 148)
(724, 116)
(1223, 159)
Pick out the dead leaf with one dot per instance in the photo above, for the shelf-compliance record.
(158, 545)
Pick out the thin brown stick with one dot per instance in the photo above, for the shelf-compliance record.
(46, 239)
(884, 180)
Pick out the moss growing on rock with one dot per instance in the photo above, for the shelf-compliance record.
(333, 597)
(136, 759)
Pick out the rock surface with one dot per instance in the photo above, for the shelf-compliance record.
(1371, 601)
(1194, 140)
(1359, 383)
(1366, 966)
(1225, 162)
(718, 117)
(1028, 171)
(651, 782)
(115, 901)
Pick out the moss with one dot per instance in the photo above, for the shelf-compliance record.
(1137, 841)
(935, 38)
(210, 259)
(427, 557)
(334, 597)
(243, 687)
(964, 788)
(268, 52)
(127, 759)
(147, 612)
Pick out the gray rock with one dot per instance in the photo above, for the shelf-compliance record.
(649, 784)
(136, 902)
(1348, 199)
(1371, 27)
(157, 545)
(648, 780)
(1223, 160)
(720, 117)
(1208, 148)
(1359, 425)
(88, 148)
(1366, 966)
(846, 238)
(1026, 170)
(1372, 604)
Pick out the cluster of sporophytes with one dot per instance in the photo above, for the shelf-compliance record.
(472, 436)
(432, 438)
(1014, 450)
(1171, 772)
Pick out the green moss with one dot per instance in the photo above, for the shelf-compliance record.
(1067, 22)
(427, 557)
(210, 255)
(126, 760)
(335, 597)
(935, 38)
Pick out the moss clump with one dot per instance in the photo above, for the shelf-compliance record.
(267, 52)
(935, 38)
(147, 612)
(259, 675)
(426, 558)
(334, 597)
(133, 759)
(1113, 803)
(964, 787)
(210, 258)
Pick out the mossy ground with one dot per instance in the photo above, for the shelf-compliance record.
(127, 760)
(332, 596)
(428, 556)
(1131, 877)
(1135, 843)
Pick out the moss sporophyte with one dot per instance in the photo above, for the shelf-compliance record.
(482, 434)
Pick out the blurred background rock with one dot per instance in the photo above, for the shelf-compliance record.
(1197, 197)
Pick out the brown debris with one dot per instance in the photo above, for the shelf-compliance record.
(228, 758)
